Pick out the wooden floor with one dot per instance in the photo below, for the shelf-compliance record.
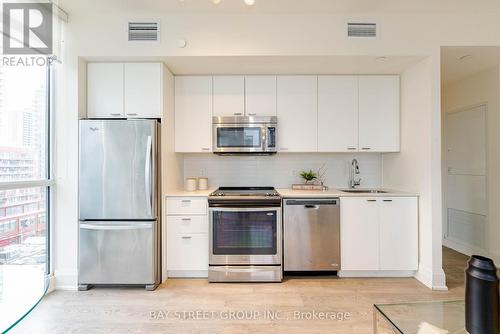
(171, 308)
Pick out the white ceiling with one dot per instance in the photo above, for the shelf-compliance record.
(198, 65)
(481, 58)
(273, 6)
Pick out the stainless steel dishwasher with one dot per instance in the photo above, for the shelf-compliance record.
(311, 230)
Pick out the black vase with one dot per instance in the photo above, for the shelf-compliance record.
(481, 296)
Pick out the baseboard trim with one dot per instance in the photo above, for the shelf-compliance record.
(433, 280)
(469, 251)
(66, 280)
(464, 249)
(496, 258)
(187, 274)
(52, 284)
(376, 273)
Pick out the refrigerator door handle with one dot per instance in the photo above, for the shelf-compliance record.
(147, 173)
(115, 227)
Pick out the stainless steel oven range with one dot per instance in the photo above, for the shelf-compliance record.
(245, 235)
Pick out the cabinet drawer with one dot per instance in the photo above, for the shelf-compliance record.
(187, 206)
(189, 224)
(187, 252)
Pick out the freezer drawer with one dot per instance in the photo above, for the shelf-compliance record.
(311, 235)
(118, 252)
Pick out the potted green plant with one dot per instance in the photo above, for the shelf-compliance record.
(308, 176)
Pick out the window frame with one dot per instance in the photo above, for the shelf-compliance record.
(48, 182)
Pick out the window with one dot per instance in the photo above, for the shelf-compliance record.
(25, 186)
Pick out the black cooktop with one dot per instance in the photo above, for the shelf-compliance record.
(245, 192)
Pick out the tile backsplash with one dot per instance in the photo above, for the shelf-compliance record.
(282, 170)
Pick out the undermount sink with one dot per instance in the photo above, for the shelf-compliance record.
(364, 191)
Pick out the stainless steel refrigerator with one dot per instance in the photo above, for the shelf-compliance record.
(119, 223)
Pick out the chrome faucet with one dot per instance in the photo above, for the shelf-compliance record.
(354, 170)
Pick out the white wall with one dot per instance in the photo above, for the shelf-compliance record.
(171, 162)
(483, 88)
(413, 168)
(282, 170)
(95, 29)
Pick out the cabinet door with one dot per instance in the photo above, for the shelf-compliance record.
(379, 113)
(185, 251)
(337, 113)
(105, 90)
(260, 95)
(398, 233)
(229, 96)
(359, 233)
(143, 90)
(297, 101)
(193, 114)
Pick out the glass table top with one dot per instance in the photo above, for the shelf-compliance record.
(408, 318)
(21, 289)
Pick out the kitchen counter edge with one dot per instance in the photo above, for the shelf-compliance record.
(289, 193)
(185, 193)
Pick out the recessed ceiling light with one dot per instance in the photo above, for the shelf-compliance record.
(247, 2)
(465, 57)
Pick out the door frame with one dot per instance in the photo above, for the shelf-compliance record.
(444, 172)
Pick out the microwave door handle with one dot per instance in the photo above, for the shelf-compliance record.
(264, 138)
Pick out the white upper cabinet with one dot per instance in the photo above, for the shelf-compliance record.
(398, 233)
(260, 95)
(130, 90)
(229, 95)
(143, 90)
(193, 114)
(337, 113)
(379, 113)
(105, 90)
(297, 101)
(328, 113)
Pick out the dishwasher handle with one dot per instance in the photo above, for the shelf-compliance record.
(310, 204)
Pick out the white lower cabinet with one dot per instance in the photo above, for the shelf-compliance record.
(359, 234)
(186, 251)
(187, 238)
(379, 234)
(398, 233)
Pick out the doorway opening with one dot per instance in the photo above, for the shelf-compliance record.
(470, 104)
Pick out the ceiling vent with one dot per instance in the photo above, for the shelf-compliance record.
(144, 31)
(361, 29)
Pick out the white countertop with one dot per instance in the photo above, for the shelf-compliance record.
(185, 193)
(289, 193)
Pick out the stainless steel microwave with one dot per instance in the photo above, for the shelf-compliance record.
(245, 135)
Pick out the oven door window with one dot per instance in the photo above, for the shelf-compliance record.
(244, 233)
(231, 137)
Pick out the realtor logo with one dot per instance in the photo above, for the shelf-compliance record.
(27, 28)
